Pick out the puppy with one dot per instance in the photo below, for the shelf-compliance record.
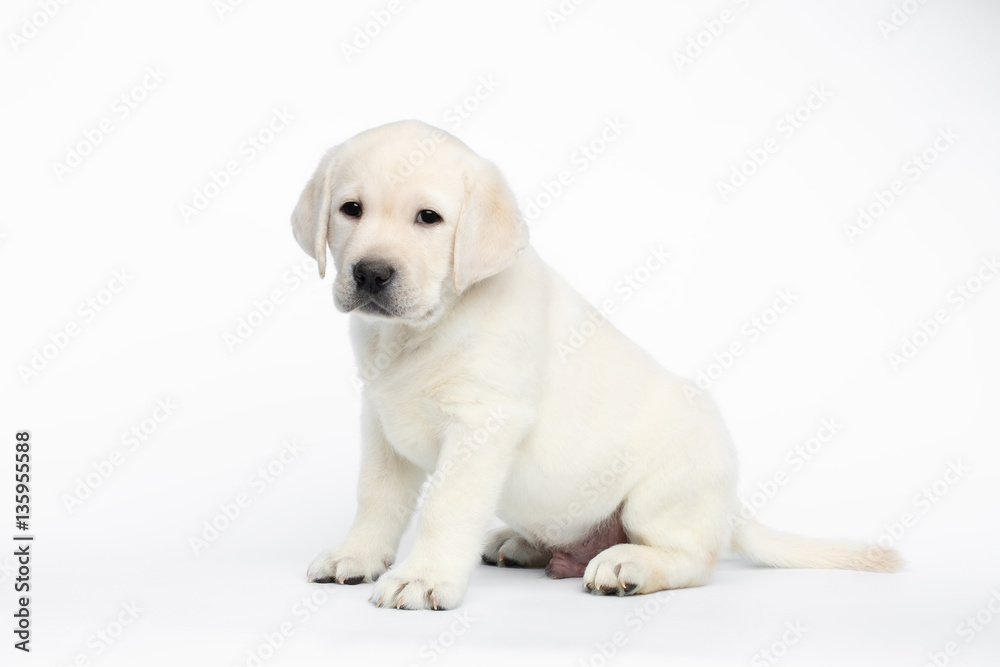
(601, 463)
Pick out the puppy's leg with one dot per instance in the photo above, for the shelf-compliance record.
(506, 548)
(676, 529)
(388, 490)
(467, 485)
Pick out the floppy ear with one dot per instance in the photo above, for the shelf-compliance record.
(311, 217)
(491, 233)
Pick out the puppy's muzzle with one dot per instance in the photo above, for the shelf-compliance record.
(373, 277)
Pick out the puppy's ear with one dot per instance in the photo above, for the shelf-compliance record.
(491, 233)
(311, 217)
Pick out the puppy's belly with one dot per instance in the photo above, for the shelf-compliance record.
(573, 537)
(570, 560)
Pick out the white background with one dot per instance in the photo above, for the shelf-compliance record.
(191, 282)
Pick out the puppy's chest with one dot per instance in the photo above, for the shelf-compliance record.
(402, 389)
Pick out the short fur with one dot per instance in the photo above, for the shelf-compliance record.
(477, 396)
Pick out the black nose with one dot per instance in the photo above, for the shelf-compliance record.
(372, 277)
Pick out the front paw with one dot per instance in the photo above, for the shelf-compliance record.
(343, 566)
(416, 588)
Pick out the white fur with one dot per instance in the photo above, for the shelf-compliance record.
(477, 395)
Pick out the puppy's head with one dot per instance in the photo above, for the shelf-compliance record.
(412, 218)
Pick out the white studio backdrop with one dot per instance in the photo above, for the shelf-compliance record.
(820, 176)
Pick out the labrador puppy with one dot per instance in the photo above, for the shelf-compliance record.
(601, 463)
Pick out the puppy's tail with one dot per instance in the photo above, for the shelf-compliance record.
(772, 548)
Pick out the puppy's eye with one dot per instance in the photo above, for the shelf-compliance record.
(428, 217)
(351, 209)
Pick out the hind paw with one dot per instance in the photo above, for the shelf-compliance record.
(506, 548)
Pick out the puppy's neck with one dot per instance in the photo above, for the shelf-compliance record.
(395, 334)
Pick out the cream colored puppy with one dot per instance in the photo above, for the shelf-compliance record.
(601, 463)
